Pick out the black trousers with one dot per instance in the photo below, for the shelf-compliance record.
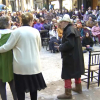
(3, 90)
(21, 95)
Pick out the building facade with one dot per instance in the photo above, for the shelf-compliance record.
(22, 5)
(88, 3)
(38, 4)
(17, 5)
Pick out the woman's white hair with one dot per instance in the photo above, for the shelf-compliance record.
(4, 22)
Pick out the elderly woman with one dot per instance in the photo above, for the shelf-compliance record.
(26, 44)
(96, 31)
(6, 60)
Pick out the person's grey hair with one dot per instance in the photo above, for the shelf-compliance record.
(4, 22)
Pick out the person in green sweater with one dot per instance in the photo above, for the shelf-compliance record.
(6, 60)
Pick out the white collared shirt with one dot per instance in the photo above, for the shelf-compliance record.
(53, 34)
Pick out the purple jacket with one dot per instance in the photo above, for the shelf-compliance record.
(38, 26)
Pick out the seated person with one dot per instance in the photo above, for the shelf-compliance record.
(90, 23)
(46, 25)
(87, 42)
(38, 25)
(41, 20)
(60, 32)
(53, 39)
(96, 32)
(85, 30)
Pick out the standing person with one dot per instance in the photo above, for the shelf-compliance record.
(6, 60)
(72, 58)
(26, 44)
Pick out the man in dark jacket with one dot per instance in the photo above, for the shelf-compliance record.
(72, 58)
(46, 25)
(15, 18)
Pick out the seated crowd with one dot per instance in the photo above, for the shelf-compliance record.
(86, 22)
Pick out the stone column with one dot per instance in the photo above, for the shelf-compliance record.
(31, 4)
(16, 5)
(19, 5)
(0, 1)
(23, 5)
(7, 3)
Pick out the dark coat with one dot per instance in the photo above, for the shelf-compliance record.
(15, 19)
(71, 52)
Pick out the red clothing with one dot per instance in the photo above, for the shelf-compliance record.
(68, 83)
(42, 22)
(33, 24)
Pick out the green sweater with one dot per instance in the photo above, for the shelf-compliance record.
(6, 61)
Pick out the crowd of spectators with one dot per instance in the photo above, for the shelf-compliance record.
(87, 23)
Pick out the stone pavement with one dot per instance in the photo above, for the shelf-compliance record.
(51, 68)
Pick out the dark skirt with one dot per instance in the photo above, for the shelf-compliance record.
(29, 83)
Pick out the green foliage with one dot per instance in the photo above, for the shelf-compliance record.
(44, 5)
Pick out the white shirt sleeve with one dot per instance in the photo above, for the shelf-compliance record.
(51, 33)
(39, 41)
(10, 43)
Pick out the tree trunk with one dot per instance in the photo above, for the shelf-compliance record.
(60, 5)
(47, 3)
